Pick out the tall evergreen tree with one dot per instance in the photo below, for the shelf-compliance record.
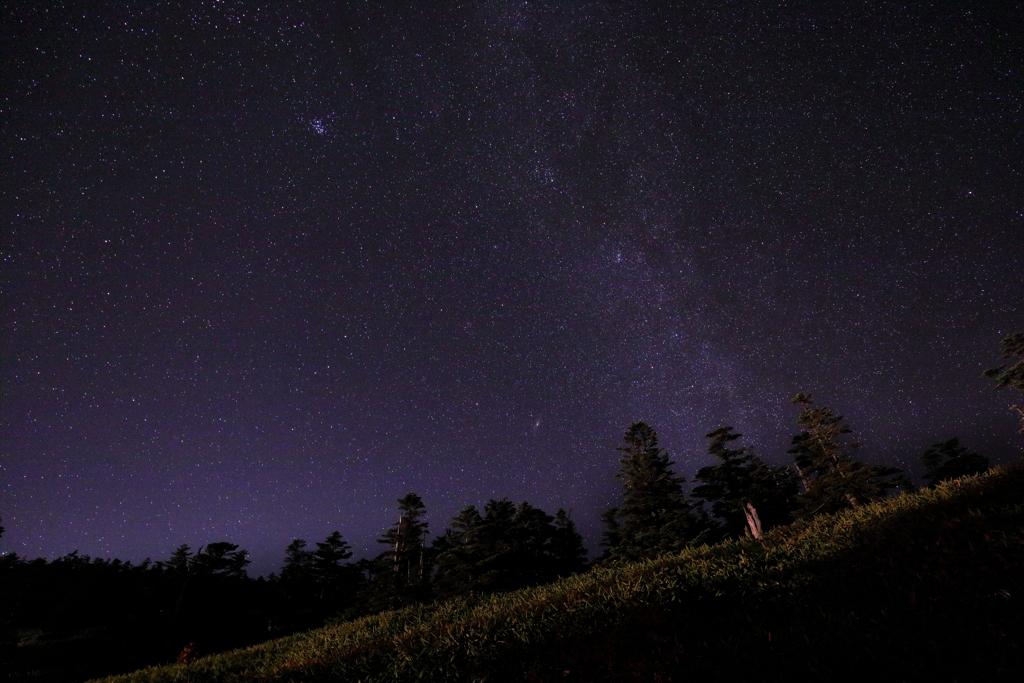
(487, 552)
(405, 540)
(298, 563)
(747, 495)
(611, 537)
(337, 581)
(298, 584)
(180, 559)
(222, 559)
(327, 560)
(568, 553)
(180, 566)
(212, 593)
(496, 543)
(505, 548)
(833, 480)
(529, 559)
(459, 552)
(655, 516)
(1011, 375)
(401, 574)
(950, 460)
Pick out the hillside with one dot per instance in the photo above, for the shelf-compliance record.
(923, 586)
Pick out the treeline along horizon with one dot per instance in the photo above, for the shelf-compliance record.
(78, 617)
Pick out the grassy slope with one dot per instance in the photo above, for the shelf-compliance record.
(920, 586)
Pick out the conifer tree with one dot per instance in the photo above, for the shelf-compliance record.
(747, 495)
(337, 581)
(493, 553)
(832, 479)
(505, 548)
(326, 560)
(611, 537)
(655, 516)
(180, 565)
(180, 559)
(406, 538)
(1011, 375)
(401, 574)
(297, 580)
(298, 563)
(459, 553)
(950, 460)
(222, 559)
(568, 553)
(529, 560)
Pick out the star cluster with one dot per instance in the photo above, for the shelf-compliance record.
(267, 268)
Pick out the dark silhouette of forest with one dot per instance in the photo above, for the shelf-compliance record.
(78, 617)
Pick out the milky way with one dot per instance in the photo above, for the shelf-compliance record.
(267, 269)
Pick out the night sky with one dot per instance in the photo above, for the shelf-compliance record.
(268, 268)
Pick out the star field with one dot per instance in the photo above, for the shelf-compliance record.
(268, 268)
